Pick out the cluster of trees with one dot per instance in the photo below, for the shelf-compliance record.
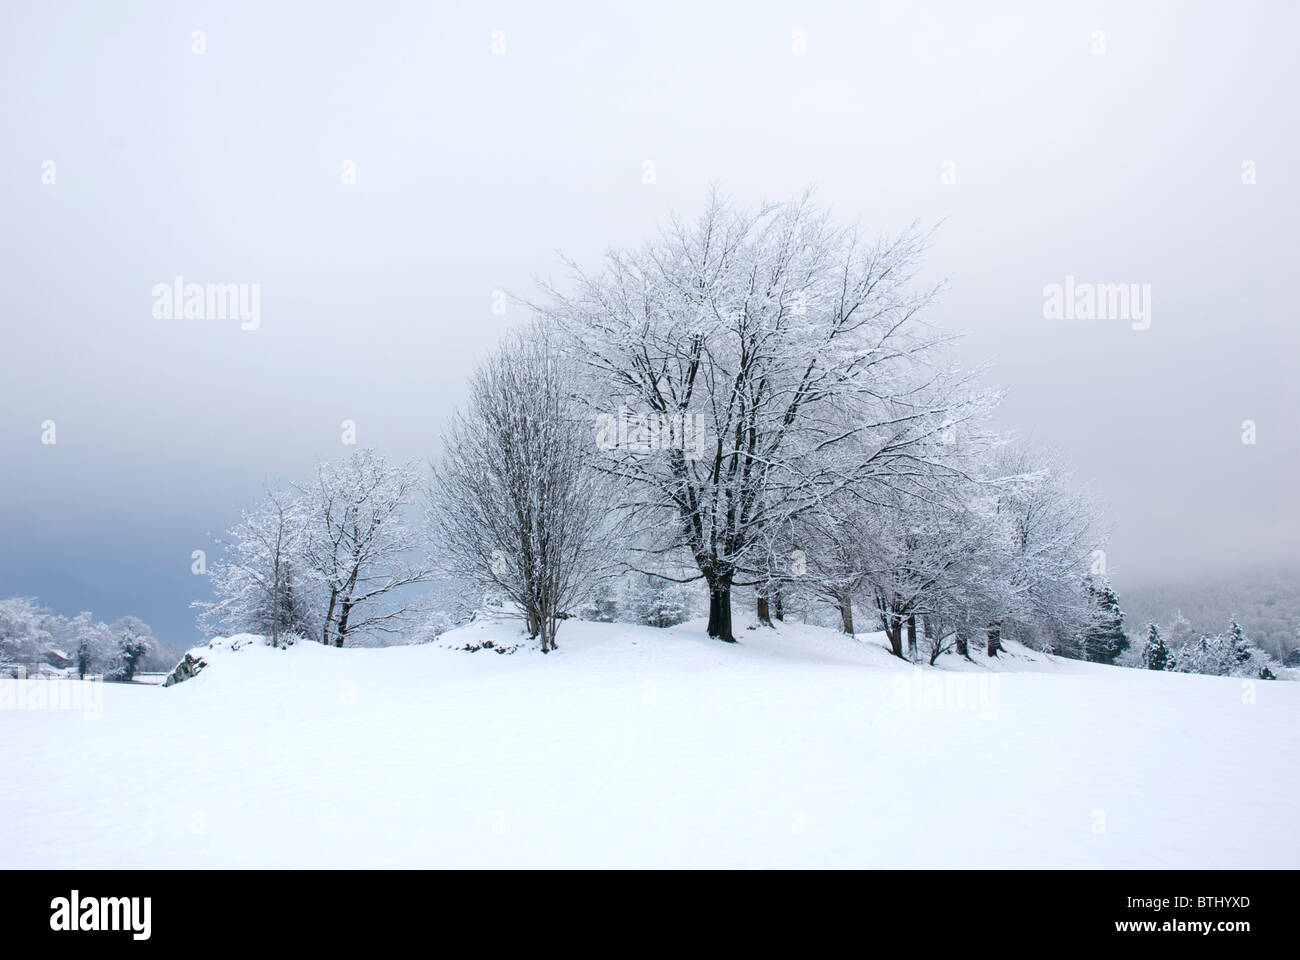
(836, 455)
(1228, 654)
(320, 560)
(796, 435)
(33, 636)
(1264, 600)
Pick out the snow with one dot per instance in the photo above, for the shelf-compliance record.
(637, 747)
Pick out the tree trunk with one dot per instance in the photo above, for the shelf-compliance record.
(894, 631)
(343, 623)
(275, 609)
(963, 644)
(329, 617)
(911, 635)
(720, 610)
(764, 616)
(780, 607)
(995, 639)
(846, 616)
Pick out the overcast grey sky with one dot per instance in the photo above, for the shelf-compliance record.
(474, 169)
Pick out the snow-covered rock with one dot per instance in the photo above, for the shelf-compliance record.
(188, 668)
(197, 658)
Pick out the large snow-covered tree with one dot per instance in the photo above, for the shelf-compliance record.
(133, 640)
(26, 631)
(753, 348)
(517, 508)
(359, 546)
(1050, 541)
(94, 649)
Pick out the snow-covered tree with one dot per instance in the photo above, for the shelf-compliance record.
(1048, 541)
(517, 507)
(31, 635)
(1242, 650)
(823, 559)
(1292, 657)
(1228, 654)
(963, 555)
(263, 582)
(132, 642)
(26, 631)
(994, 541)
(1103, 639)
(913, 554)
(1155, 655)
(91, 644)
(358, 544)
(1244, 656)
(656, 602)
(1199, 655)
(753, 348)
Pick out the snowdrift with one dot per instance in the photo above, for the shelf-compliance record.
(637, 747)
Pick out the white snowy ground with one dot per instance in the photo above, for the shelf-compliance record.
(632, 746)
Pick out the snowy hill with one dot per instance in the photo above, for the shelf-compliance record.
(632, 746)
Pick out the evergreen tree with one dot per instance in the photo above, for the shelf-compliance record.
(1242, 651)
(1156, 654)
(1104, 638)
(1231, 654)
(1201, 655)
(655, 602)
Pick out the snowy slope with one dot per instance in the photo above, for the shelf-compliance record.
(632, 746)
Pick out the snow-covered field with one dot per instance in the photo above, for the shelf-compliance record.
(632, 746)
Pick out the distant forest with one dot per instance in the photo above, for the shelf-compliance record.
(1265, 602)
